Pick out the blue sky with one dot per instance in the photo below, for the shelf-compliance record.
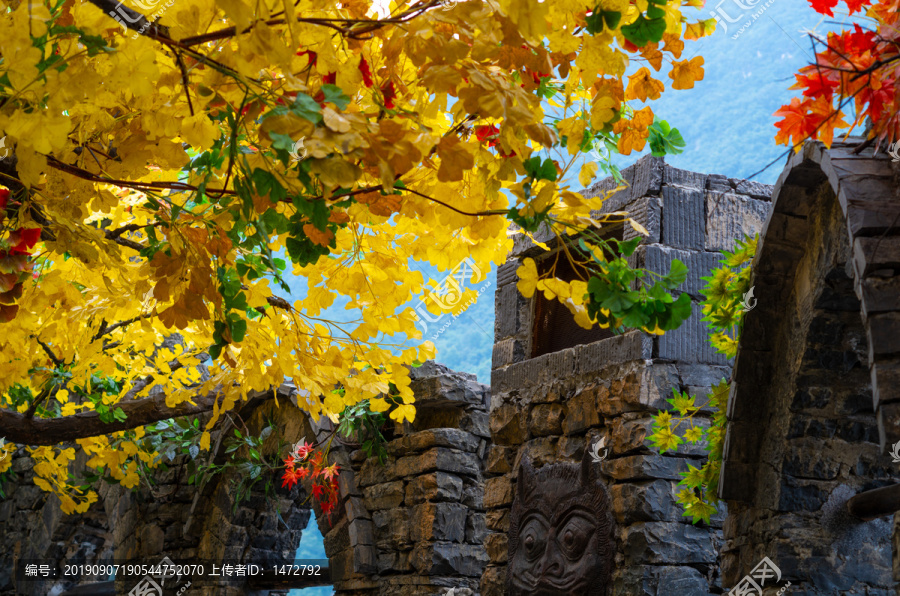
(726, 121)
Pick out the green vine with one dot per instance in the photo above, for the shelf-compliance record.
(727, 296)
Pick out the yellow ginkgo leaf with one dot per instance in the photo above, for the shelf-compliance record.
(528, 274)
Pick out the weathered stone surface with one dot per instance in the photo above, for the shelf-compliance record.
(753, 189)
(683, 218)
(648, 580)
(593, 357)
(667, 543)
(684, 178)
(448, 558)
(476, 529)
(646, 501)
(438, 458)
(732, 217)
(500, 460)
(391, 528)
(435, 384)
(648, 213)
(497, 547)
(497, 492)
(384, 496)
(645, 467)
(437, 486)
(658, 258)
(508, 425)
(497, 520)
(438, 521)
(582, 412)
(440, 437)
(546, 419)
(689, 343)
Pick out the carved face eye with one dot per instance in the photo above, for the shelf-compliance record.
(534, 539)
(575, 534)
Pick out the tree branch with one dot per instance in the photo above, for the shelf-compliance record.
(17, 428)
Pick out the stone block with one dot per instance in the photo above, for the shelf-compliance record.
(753, 189)
(683, 178)
(508, 425)
(435, 385)
(476, 422)
(497, 547)
(645, 501)
(885, 382)
(438, 458)
(645, 467)
(683, 219)
(473, 496)
(718, 183)
(435, 437)
(883, 332)
(391, 528)
(647, 178)
(506, 352)
(648, 213)
(591, 358)
(506, 312)
(152, 540)
(500, 459)
(546, 419)
(497, 520)
(689, 343)
(493, 582)
(458, 559)
(476, 529)
(498, 492)
(873, 254)
(542, 451)
(731, 217)
(361, 532)
(647, 580)
(667, 543)
(373, 472)
(437, 486)
(506, 273)
(384, 496)
(658, 258)
(438, 521)
(582, 412)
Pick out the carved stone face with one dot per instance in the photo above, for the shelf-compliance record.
(560, 532)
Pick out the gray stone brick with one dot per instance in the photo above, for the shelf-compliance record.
(718, 182)
(647, 212)
(658, 258)
(689, 343)
(661, 543)
(683, 178)
(648, 176)
(614, 350)
(753, 189)
(506, 308)
(506, 273)
(731, 217)
(683, 220)
(506, 352)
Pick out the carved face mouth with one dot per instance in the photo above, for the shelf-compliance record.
(534, 586)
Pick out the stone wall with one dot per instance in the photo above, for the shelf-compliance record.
(555, 406)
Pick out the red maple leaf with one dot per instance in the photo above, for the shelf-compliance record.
(366, 73)
(303, 451)
(823, 6)
(4, 198)
(22, 240)
(389, 94)
(794, 126)
(330, 78)
(313, 57)
(289, 478)
(856, 5)
(331, 471)
(289, 462)
(318, 490)
(486, 131)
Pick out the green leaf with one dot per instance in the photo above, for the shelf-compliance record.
(644, 31)
(335, 95)
(678, 272)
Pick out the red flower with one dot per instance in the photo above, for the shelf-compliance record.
(4, 197)
(366, 73)
(389, 94)
(290, 478)
(330, 78)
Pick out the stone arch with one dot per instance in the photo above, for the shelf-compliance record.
(815, 391)
(414, 526)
